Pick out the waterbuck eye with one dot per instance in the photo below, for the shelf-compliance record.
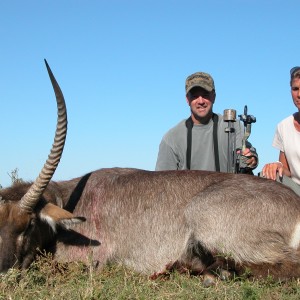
(30, 225)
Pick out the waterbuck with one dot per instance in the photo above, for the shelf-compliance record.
(152, 222)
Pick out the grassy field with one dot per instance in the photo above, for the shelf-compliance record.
(49, 280)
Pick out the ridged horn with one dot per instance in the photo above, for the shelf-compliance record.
(31, 198)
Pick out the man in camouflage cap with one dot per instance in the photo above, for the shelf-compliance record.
(201, 142)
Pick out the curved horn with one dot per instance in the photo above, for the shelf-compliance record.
(31, 198)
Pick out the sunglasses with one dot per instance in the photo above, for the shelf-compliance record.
(293, 70)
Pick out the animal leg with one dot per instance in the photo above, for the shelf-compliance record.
(281, 271)
(194, 261)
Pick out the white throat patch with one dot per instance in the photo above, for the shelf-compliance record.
(295, 238)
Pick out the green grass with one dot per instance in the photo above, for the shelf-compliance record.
(49, 280)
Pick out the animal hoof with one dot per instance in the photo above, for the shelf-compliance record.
(225, 275)
(209, 280)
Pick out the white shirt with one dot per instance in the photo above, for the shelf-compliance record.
(287, 140)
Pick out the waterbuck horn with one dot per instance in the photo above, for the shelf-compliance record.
(31, 198)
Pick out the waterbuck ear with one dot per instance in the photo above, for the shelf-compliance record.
(54, 215)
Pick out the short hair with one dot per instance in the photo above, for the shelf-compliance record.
(295, 73)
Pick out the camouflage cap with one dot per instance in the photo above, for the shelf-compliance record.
(200, 79)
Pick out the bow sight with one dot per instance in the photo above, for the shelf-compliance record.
(236, 160)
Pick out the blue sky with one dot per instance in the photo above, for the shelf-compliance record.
(122, 67)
